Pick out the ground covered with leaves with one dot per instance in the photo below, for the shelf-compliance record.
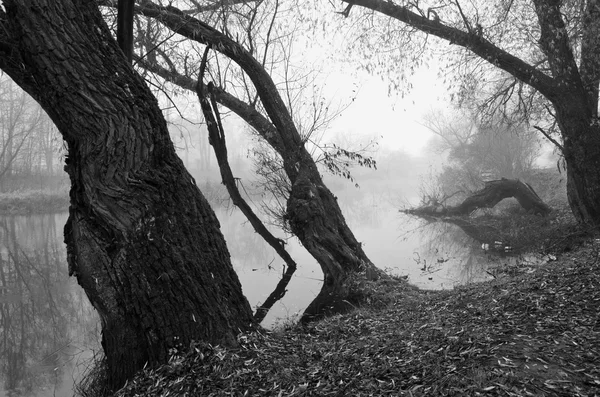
(533, 331)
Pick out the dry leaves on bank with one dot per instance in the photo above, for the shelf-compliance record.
(536, 333)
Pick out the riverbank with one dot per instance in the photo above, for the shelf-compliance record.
(534, 330)
(33, 202)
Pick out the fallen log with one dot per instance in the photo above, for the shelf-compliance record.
(492, 193)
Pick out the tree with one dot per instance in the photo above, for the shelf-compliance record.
(312, 211)
(141, 239)
(545, 54)
(479, 151)
(20, 124)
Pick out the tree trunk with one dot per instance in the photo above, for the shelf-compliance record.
(488, 197)
(316, 219)
(141, 239)
(582, 155)
(312, 210)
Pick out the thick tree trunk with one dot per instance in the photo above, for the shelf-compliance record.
(141, 239)
(582, 156)
(313, 212)
(488, 197)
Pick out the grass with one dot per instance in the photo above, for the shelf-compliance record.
(33, 202)
(535, 332)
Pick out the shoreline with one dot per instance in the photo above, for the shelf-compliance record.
(33, 202)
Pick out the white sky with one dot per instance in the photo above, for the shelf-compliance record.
(374, 113)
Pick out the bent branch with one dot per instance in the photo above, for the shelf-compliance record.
(470, 40)
(216, 137)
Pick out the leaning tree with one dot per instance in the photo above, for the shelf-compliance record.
(539, 56)
(141, 238)
(312, 211)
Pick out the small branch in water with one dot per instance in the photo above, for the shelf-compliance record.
(216, 138)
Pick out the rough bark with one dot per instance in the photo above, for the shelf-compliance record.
(488, 197)
(571, 86)
(313, 213)
(141, 239)
(315, 218)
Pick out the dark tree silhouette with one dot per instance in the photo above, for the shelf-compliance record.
(141, 238)
(313, 213)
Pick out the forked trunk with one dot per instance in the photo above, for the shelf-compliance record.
(141, 239)
(312, 210)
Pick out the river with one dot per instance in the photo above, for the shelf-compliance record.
(50, 332)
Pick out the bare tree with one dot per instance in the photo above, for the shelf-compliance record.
(480, 151)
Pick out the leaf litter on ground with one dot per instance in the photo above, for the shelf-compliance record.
(534, 332)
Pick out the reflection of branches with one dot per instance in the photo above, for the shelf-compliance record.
(36, 307)
(276, 295)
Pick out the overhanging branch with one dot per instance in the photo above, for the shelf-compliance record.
(246, 112)
(469, 40)
(201, 32)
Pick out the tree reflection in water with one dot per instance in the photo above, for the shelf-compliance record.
(447, 248)
(45, 318)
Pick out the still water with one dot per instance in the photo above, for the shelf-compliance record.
(50, 332)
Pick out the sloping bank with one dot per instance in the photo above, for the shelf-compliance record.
(535, 332)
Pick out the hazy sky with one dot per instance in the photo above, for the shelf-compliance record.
(375, 113)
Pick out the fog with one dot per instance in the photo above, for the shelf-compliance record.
(49, 330)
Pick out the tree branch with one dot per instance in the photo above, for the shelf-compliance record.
(245, 111)
(475, 43)
(199, 31)
(216, 134)
(197, 9)
(554, 141)
(554, 41)
(125, 27)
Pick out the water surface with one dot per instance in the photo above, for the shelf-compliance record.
(50, 331)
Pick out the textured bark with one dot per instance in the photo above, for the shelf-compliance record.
(141, 239)
(582, 155)
(313, 213)
(488, 197)
(315, 218)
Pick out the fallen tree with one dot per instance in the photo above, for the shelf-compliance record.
(492, 193)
